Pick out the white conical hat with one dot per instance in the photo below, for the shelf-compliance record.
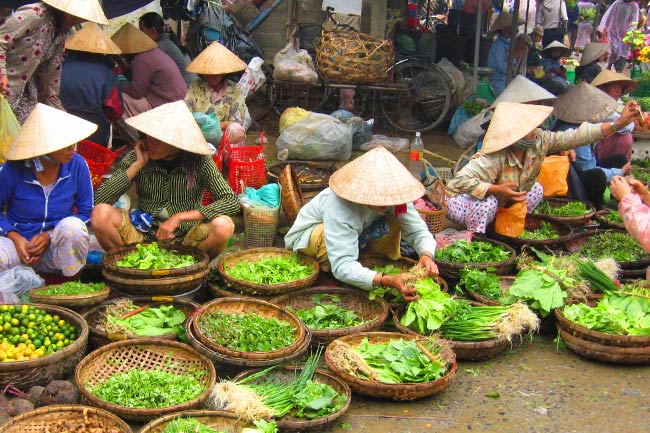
(216, 60)
(511, 122)
(376, 178)
(92, 39)
(89, 10)
(584, 103)
(522, 90)
(593, 50)
(504, 20)
(132, 40)
(607, 76)
(555, 44)
(172, 123)
(47, 130)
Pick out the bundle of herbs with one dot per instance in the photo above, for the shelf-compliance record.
(462, 251)
(427, 313)
(390, 294)
(151, 256)
(571, 209)
(328, 314)
(546, 231)
(124, 317)
(617, 245)
(271, 270)
(484, 283)
(71, 288)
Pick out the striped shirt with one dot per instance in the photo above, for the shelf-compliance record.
(158, 188)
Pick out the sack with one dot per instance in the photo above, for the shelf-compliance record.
(468, 133)
(9, 127)
(294, 65)
(316, 138)
(511, 221)
(392, 144)
(253, 77)
(16, 281)
(553, 175)
(292, 115)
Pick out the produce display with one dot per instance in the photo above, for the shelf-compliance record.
(391, 294)
(28, 333)
(124, 317)
(642, 175)
(571, 209)
(248, 332)
(192, 425)
(326, 314)
(617, 245)
(271, 270)
(71, 288)
(544, 232)
(541, 291)
(485, 283)
(89, 424)
(151, 256)
(613, 216)
(462, 251)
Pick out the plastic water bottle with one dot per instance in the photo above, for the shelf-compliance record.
(416, 155)
(412, 19)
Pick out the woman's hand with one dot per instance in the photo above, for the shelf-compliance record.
(141, 155)
(620, 188)
(166, 230)
(505, 194)
(397, 282)
(39, 243)
(21, 248)
(429, 266)
(630, 112)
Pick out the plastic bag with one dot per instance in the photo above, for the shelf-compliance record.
(468, 133)
(392, 144)
(511, 221)
(9, 127)
(210, 127)
(318, 137)
(253, 77)
(294, 65)
(292, 115)
(361, 131)
(267, 196)
(16, 281)
(449, 236)
(553, 175)
(460, 116)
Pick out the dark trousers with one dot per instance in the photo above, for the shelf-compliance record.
(551, 35)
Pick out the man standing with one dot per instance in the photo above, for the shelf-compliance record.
(550, 16)
(617, 21)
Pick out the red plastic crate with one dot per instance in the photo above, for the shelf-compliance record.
(98, 158)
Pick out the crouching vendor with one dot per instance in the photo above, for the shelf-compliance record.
(367, 208)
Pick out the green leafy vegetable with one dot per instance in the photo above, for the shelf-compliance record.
(485, 283)
(151, 256)
(316, 400)
(478, 323)
(427, 313)
(391, 294)
(641, 174)
(617, 245)
(539, 290)
(572, 208)
(544, 232)
(327, 315)
(613, 216)
(71, 288)
(271, 270)
(151, 322)
(473, 252)
(189, 425)
(261, 426)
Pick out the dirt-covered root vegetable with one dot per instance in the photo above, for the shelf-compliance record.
(18, 405)
(59, 392)
(34, 394)
(344, 356)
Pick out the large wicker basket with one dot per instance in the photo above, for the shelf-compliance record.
(144, 354)
(600, 217)
(373, 313)
(395, 391)
(603, 338)
(601, 352)
(452, 270)
(290, 194)
(216, 419)
(349, 57)
(69, 301)
(45, 418)
(504, 283)
(534, 222)
(573, 221)
(99, 338)
(252, 255)
(247, 306)
(59, 365)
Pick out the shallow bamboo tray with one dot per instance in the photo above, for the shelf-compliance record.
(504, 282)
(603, 338)
(109, 262)
(156, 286)
(573, 221)
(70, 301)
(39, 420)
(452, 270)
(577, 243)
(216, 419)
(601, 352)
(534, 222)
(600, 217)
(324, 170)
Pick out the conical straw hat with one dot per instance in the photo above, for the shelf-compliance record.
(92, 39)
(593, 50)
(132, 40)
(584, 103)
(47, 130)
(89, 10)
(504, 20)
(173, 124)
(216, 60)
(376, 178)
(555, 44)
(511, 122)
(522, 90)
(607, 76)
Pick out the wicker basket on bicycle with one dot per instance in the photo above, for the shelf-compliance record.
(349, 57)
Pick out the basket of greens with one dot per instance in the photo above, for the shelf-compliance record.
(73, 294)
(206, 421)
(332, 312)
(484, 287)
(539, 231)
(143, 379)
(382, 264)
(571, 212)
(60, 418)
(267, 271)
(217, 287)
(610, 218)
(617, 244)
(480, 253)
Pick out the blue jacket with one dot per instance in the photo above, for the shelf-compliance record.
(29, 211)
(498, 61)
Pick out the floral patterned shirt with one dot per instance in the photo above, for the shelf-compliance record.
(231, 108)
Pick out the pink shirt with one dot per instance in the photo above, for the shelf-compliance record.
(636, 216)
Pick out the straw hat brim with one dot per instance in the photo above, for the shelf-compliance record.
(47, 130)
(91, 39)
(504, 20)
(174, 124)
(376, 178)
(555, 44)
(592, 52)
(523, 90)
(89, 10)
(132, 40)
(510, 122)
(216, 60)
(607, 77)
(584, 103)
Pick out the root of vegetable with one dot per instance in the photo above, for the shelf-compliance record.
(346, 358)
(118, 309)
(242, 401)
(517, 320)
(609, 267)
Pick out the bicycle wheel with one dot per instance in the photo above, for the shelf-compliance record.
(423, 100)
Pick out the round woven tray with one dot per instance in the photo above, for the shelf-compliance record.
(579, 240)
(312, 176)
(220, 292)
(144, 354)
(601, 352)
(286, 375)
(290, 194)
(100, 338)
(70, 301)
(156, 286)
(504, 282)
(109, 262)
(600, 217)
(373, 313)
(256, 306)
(573, 221)
(256, 254)
(216, 419)
(534, 222)
(395, 391)
(45, 418)
(59, 365)
(451, 270)
(603, 338)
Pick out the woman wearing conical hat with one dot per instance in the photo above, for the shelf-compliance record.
(214, 93)
(31, 47)
(552, 56)
(170, 168)
(592, 56)
(498, 55)
(367, 208)
(89, 89)
(48, 194)
(505, 171)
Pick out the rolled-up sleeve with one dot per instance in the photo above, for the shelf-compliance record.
(476, 177)
(416, 232)
(571, 138)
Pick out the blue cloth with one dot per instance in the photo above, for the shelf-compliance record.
(29, 211)
(141, 220)
(549, 64)
(267, 195)
(498, 61)
(378, 229)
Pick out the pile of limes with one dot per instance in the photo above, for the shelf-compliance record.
(27, 332)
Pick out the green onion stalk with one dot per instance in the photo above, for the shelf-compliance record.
(479, 323)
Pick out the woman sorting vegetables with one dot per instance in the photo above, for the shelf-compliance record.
(171, 168)
(504, 172)
(367, 208)
(46, 189)
(633, 207)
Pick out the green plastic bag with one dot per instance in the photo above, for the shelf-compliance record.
(9, 127)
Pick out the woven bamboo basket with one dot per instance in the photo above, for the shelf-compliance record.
(290, 194)
(286, 375)
(312, 176)
(220, 292)
(99, 338)
(404, 263)
(373, 313)
(579, 240)
(573, 221)
(603, 338)
(534, 222)
(600, 217)
(395, 391)
(70, 301)
(59, 365)
(254, 254)
(109, 262)
(601, 352)
(504, 282)
(451, 270)
(247, 306)
(45, 418)
(216, 419)
(156, 286)
(435, 219)
(143, 354)
(344, 56)
(238, 363)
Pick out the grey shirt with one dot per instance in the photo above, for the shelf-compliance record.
(181, 59)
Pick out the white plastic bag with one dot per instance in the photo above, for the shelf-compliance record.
(318, 137)
(16, 281)
(294, 65)
(253, 77)
(392, 144)
(468, 133)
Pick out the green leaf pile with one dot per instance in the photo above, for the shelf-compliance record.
(151, 256)
(326, 314)
(473, 252)
(391, 294)
(544, 232)
(617, 245)
(572, 208)
(71, 288)
(427, 313)
(152, 322)
(271, 270)
(485, 283)
(539, 290)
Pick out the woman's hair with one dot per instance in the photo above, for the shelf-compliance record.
(152, 19)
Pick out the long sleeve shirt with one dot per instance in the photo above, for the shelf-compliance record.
(498, 61)
(549, 14)
(344, 222)
(618, 20)
(636, 217)
(30, 210)
(229, 107)
(503, 166)
(181, 59)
